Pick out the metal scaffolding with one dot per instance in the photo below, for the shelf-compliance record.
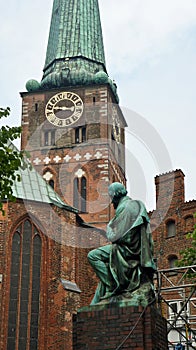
(176, 297)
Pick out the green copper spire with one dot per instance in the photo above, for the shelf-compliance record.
(75, 52)
(75, 32)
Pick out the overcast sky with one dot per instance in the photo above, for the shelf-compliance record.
(150, 48)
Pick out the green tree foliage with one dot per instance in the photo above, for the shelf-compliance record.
(10, 159)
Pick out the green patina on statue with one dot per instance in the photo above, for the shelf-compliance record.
(125, 267)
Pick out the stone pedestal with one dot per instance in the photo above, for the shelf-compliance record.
(117, 328)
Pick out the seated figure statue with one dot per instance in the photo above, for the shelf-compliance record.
(125, 267)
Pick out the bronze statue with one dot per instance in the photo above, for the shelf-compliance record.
(125, 267)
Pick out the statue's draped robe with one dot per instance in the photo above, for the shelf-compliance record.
(129, 259)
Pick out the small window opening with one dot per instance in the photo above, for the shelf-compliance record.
(51, 183)
(172, 261)
(49, 138)
(171, 228)
(80, 134)
(77, 135)
(83, 134)
(46, 138)
(52, 138)
(112, 136)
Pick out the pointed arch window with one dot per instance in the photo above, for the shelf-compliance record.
(76, 193)
(83, 193)
(25, 277)
(80, 193)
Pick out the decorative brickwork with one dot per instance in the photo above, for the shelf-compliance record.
(111, 327)
(61, 156)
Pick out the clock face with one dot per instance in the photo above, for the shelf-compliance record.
(116, 125)
(64, 109)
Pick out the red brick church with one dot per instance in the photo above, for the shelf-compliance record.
(74, 129)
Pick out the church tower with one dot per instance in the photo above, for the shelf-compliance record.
(72, 124)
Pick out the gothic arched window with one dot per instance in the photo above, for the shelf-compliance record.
(80, 193)
(76, 193)
(25, 277)
(83, 193)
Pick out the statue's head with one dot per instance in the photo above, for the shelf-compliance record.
(116, 191)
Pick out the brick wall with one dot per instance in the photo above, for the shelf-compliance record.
(100, 158)
(107, 328)
(171, 206)
(169, 189)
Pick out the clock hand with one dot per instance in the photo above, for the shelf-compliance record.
(65, 108)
